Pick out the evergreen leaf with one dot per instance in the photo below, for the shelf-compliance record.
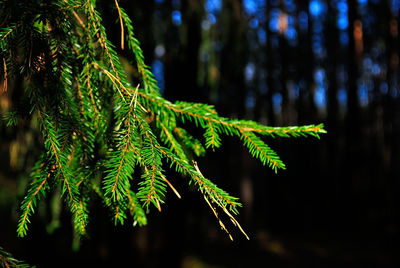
(262, 151)
(41, 173)
(189, 141)
(135, 208)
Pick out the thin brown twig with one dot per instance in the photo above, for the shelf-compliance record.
(122, 24)
(5, 76)
(171, 186)
(77, 17)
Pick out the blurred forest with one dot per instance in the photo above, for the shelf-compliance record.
(279, 62)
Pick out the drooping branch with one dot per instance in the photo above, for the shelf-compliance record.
(101, 136)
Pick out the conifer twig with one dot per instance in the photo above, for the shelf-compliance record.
(5, 76)
(76, 15)
(172, 187)
(218, 202)
(121, 23)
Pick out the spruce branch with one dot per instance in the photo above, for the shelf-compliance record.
(168, 138)
(122, 160)
(152, 187)
(148, 80)
(223, 206)
(262, 151)
(136, 210)
(205, 186)
(102, 136)
(189, 141)
(69, 187)
(41, 174)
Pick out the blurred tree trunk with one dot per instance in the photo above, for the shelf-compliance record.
(356, 157)
(234, 57)
(304, 64)
(284, 78)
(301, 58)
(308, 67)
(191, 23)
(142, 14)
(353, 124)
(333, 49)
(391, 114)
(269, 68)
(174, 89)
(354, 58)
(182, 52)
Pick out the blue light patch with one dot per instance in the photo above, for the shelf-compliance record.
(158, 70)
(316, 8)
(250, 6)
(277, 103)
(176, 17)
(262, 36)
(342, 96)
(249, 71)
(342, 7)
(344, 38)
(213, 6)
(250, 100)
(274, 20)
(320, 96)
(320, 92)
(253, 23)
(363, 94)
(342, 22)
(303, 21)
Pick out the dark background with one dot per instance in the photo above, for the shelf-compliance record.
(280, 63)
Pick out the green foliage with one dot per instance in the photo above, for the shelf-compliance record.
(102, 135)
(8, 261)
